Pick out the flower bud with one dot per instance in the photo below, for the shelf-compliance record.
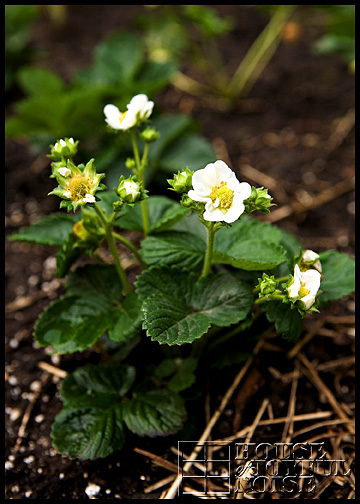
(66, 148)
(182, 181)
(267, 285)
(130, 163)
(259, 200)
(149, 135)
(129, 190)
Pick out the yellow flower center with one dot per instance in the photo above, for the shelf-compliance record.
(78, 186)
(222, 196)
(122, 116)
(302, 291)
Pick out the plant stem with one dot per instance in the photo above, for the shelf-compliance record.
(282, 279)
(140, 173)
(131, 247)
(112, 247)
(269, 298)
(210, 249)
(119, 268)
(259, 54)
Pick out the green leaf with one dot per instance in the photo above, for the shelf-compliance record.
(249, 245)
(180, 249)
(181, 372)
(117, 60)
(88, 433)
(50, 230)
(287, 321)
(97, 386)
(71, 249)
(178, 310)
(153, 413)
(93, 304)
(339, 276)
(39, 81)
(126, 320)
(170, 127)
(163, 213)
(90, 424)
(190, 150)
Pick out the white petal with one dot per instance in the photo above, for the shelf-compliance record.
(212, 214)
(62, 142)
(312, 279)
(308, 300)
(310, 256)
(65, 172)
(244, 190)
(89, 198)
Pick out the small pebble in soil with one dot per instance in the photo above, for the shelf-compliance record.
(91, 490)
(29, 460)
(28, 493)
(39, 418)
(61, 475)
(9, 465)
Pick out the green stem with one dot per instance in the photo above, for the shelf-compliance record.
(259, 54)
(282, 279)
(112, 247)
(210, 249)
(131, 247)
(140, 173)
(135, 149)
(269, 298)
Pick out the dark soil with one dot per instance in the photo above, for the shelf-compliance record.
(289, 129)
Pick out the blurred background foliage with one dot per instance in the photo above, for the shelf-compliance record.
(161, 48)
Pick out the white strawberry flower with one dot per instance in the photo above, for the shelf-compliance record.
(216, 185)
(139, 109)
(304, 287)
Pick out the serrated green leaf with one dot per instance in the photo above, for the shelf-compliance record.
(338, 275)
(86, 433)
(249, 245)
(91, 425)
(178, 249)
(170, 128)
(97, 386)
(126, 320)
(180, 372)
(72, 323)
(178, 310)
(92, 305)
(156, 412)
(287, 321)
(163, 213)
(50, 230)
(190, 150)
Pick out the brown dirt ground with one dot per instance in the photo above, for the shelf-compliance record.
(292, 130)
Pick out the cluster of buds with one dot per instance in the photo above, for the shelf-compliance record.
(182, 181)
(129, 191)
(268, 285)
(259, 200)
(63, 149)
(77, 184)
